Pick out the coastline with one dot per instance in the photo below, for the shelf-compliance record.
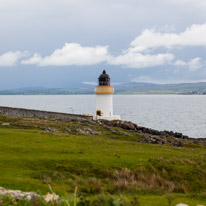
(148, 135)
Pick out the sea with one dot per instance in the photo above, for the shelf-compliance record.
(178, 113)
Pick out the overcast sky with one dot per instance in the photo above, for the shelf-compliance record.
(63, 43)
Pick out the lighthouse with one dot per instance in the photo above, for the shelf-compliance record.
(104, 98)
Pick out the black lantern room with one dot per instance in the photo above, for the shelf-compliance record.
(104, 79)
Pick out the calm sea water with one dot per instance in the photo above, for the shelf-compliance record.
(179, 113)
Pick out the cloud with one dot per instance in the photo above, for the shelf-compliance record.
(140, 54)
(137, 60)
(90, 83)
(152, 80)
(71, 54)
(143, 78)
(189, 2)
(11, 58)
(193, 64)
(192, 36)
(167, 80)
(180, 63)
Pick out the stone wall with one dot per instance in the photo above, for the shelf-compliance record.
(18, 112)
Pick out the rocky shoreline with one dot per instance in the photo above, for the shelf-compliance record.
(148, 135)
(153, 136)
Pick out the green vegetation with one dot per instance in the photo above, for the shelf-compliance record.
(99, 161)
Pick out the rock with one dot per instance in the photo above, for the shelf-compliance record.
(51, 129)
(178, 135)
(185, 137)
(90, 130)
(87, 130)
(128, 125)
(151, 135)
(5, 124)
(122, 124)
(18, 195)
(176, 143)
(68, 130)
(79, 130)
(51, 197)
(152, 139)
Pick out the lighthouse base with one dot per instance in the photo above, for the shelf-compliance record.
(114, 117)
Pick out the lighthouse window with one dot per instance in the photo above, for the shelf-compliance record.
(99, 113)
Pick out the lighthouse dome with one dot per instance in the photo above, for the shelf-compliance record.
(104, 79)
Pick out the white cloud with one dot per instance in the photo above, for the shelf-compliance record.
(192, 65)
(168, 80)
(90, 83)
(71, 54)
(137, 56)
(180, 63)
(192, 36)
(195, 64)
(143, 78)
(137, 60)
(36, 59)
(152, 80)
(11, 58)
(75, 54)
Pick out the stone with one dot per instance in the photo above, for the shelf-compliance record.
(128, 125)
(152, 139)
(5, 124)
(176, 143)
(68, 130)
(18, 195)
(19, 112)
(51, 129)
(51, 197)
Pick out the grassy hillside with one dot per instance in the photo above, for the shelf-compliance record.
(98, 159)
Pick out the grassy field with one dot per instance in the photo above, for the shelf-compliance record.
(36, 152)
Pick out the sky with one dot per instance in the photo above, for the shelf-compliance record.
(67, 43)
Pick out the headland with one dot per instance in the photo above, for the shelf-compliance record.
(103, 160)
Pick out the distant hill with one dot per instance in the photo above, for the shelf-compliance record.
(125, 88)
(46, 91)
(149, 88)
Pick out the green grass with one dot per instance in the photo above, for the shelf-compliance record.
(110, 162)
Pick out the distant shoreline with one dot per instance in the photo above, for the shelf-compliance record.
(125, 88)
(49, 94)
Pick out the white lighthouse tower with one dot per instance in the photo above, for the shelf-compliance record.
(104, 99)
